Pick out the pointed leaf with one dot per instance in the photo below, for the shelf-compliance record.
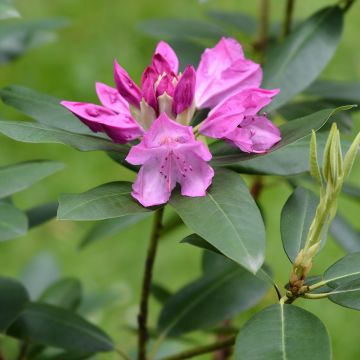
(283, 332)
(13, 222)
(56, 327)
(13, 299)
(41, 214)
(296, 218)
(30, 132)
(228, 218)
(314, 164)
(295, 63)
(196, 306)
(199, 242)
(20, 176)
(106, 201)
(347, 295)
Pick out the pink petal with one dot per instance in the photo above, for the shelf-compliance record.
(121, 128)
(111, 99)
(126, 86)
(184, 91)
(160, 64)
(165, 85)
(222, 71)
(166, 51)
(148, 93)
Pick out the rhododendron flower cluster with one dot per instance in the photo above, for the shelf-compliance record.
(156, 117)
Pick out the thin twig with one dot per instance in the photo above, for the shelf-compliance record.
(263, 30)
(122, 354)
(348, 5)
(202, 349)
(23, 350)
(146, 285)
(289, 12)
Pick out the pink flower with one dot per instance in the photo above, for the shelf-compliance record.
(236, 121)
(113, 118)
(223, 71)
(169, 154)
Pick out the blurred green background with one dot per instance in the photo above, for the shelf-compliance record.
(84, 52)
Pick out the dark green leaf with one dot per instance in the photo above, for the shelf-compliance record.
(20, 176)
(103, 202)
(180, 29)
(65, 293)
(41, 271)
(296, 218)
(111, 227)
(291, 132)
(296, 62)
(199, 242)
(7, 10)
(13, 299)
(160, 293)
(352, 191)
(30, 132)
(283, 332)
(188, 52)
(53, 326)
(347, 295)
(339, 91)
(18, 37)
(42, 213)
(196, 306)
(343, 271)
(345, 234)
(228, 218)
(242, 22)
(13, 222)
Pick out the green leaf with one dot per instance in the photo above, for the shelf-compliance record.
(39, 273)
(65, 293)
(111, 227)
(13, 222)
(283, 332)
(240, 21)
(106, 201)
(196, 306)
(17, 37)
(296, 218)
(188, 51)
(7, 10)
(291, 132)
(41, 214)
(180, 29)
(160, 293)
(343, 271)
(15, 178)
(43, 108)
(295, 63)
(199, 242)
(13, 299)
(30, 132)
(228, 218)
(352, 191)
(53, 326)
(347, 295)
(334, 90)
(345, 234)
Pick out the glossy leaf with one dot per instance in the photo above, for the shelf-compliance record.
(240, 21)
(111, 227)
(283, 332)
(15, 178)
(296, 218)
(17, 37)
(343, 271)
(196, 306)
(7, 10)
(106, 201)
(56, 327)
(335, 90)
(13, 222)
(199, 242)
(31, 132)
(345, 234)
(295, 63)
(291, 132)
(13, 299)
(180, 29)
(228, 218)
(41, 214)
(347, 295)
(65, 293)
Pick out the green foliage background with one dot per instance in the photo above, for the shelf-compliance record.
(68, 68)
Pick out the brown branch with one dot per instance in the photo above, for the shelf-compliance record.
(224, 344)
(146, 284)
(263, 30)
(289, 12)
